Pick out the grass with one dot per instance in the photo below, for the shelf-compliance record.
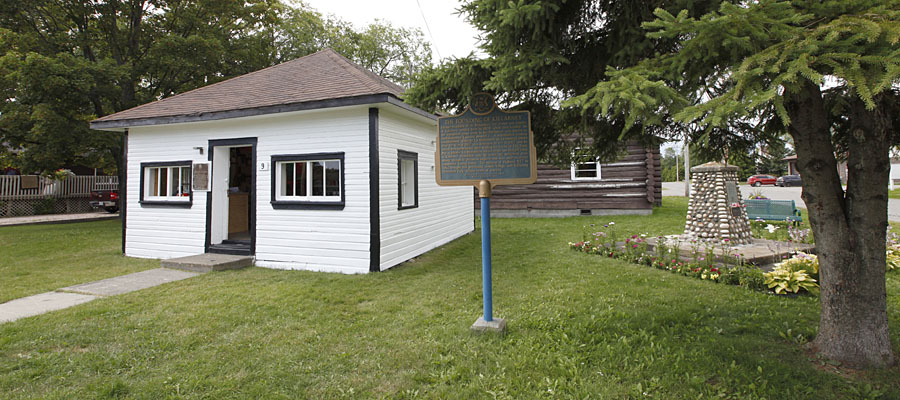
(41, 258)
(580, 326)
(894, 194)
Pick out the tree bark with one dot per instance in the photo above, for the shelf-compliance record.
(849, 227)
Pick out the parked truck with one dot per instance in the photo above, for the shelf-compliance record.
(107, 199)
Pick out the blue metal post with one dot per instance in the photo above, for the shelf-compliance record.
(486, 257)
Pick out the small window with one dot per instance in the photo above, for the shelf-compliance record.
(407, 179)
(308, 180)
(166, 183)
(585, 168)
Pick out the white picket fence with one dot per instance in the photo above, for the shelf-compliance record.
(39, 195)
(11, 187)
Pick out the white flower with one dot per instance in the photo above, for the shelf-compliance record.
(612, 223)
(771, 228)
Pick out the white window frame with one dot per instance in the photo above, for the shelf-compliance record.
(574, 170)
(407, 183)
(279, 184)
(173, 171)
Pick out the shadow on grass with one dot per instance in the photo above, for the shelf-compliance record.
(579, 326)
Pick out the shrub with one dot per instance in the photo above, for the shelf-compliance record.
(46, 205)
(747, 276)
(782, 279)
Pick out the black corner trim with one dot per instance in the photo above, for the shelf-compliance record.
(163, 204)
(306, 205)
(374, 197)
(401, 156)
(123, 189)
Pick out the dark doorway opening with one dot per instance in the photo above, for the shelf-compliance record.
(231, 203)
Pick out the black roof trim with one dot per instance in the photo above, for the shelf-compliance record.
(249, 112)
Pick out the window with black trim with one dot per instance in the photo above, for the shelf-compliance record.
(407, 179)
(166, 183)
(308, 180)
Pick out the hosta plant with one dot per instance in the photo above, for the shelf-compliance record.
(783, 280)
(804, 262)
(893, 258)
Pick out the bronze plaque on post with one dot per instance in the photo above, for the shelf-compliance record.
(485, 143)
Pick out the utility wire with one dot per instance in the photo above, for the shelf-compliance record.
(428, 28)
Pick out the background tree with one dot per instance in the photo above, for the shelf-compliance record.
(770, 160)
(744, 74)
(65, 63)
(541, 53)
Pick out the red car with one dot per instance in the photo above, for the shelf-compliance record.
(758, 180)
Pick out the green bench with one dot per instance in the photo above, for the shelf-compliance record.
(772, 210)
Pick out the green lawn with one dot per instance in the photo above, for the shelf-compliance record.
(40, 258)
(580, 326)
(894, 194)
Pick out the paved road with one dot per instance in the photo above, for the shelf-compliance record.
(776, 193)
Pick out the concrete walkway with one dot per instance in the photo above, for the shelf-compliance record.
(78, 294)
(57, 218)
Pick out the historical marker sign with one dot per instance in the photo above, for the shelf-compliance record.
(485, 143)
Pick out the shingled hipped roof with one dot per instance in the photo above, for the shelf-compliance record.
(310, 80)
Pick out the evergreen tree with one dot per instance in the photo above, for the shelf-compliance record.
(730, 74)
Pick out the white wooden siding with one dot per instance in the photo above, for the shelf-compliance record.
(444, 213)
(327, 240)
(163, 231)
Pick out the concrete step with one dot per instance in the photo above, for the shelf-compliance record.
(208, 262)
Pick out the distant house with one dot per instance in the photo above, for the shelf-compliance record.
(792, 169)
(791, 161)
(630, 185)
(312, 164)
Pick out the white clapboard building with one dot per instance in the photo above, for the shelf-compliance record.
(312, 164)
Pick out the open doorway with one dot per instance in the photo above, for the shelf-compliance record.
(231, 207)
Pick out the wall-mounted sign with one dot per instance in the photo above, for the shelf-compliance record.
(200, 178)
(262, 166)
(485, 143)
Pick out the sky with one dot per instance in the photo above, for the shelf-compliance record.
(449, 34)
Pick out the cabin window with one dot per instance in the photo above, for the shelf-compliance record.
(308, 180)
(166, 183)
(407, 179)
(585, 168)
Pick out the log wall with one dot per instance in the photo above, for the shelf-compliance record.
(632, 183)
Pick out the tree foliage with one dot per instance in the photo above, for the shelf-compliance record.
(65, 63)
(541, 53)
(732, 75)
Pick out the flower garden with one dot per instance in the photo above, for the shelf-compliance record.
(718, 262)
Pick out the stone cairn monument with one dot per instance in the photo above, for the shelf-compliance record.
(715, 210)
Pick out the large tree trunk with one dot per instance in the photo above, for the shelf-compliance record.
(849, 227)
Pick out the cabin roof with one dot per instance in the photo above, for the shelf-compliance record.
(319, 80)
